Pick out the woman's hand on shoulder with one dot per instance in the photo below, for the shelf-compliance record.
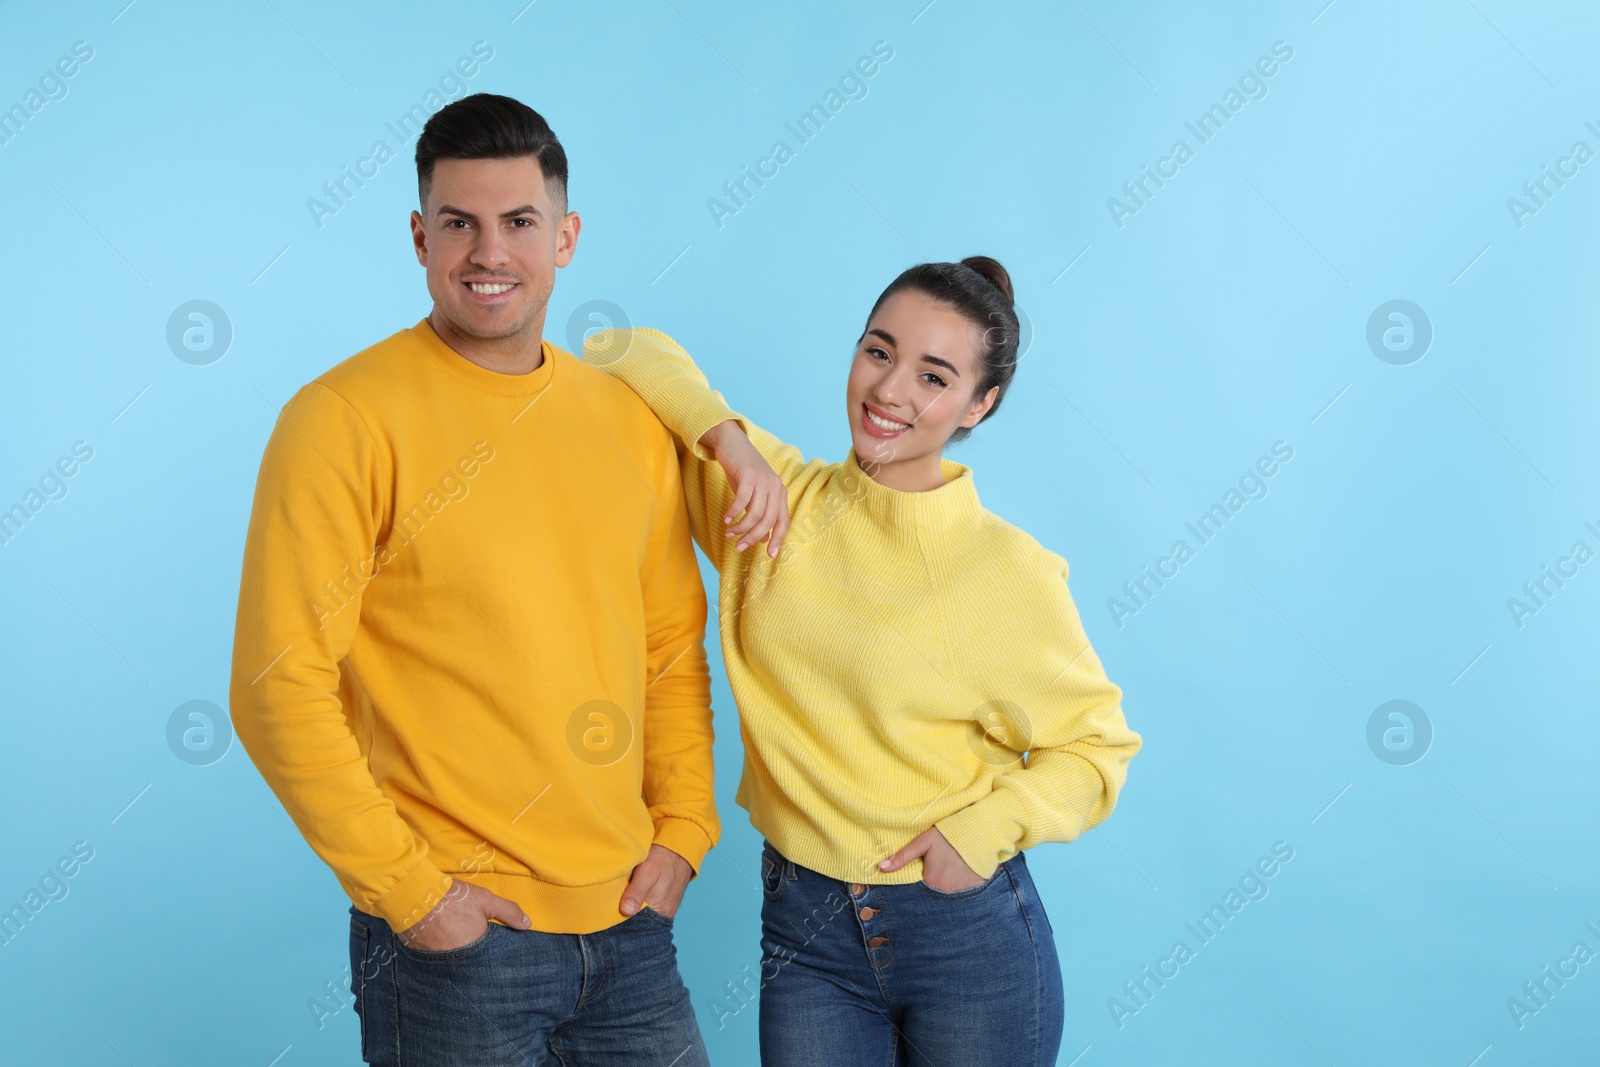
(759, 495)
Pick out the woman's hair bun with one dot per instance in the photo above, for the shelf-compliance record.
(994, 273)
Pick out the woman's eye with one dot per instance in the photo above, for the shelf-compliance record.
(877, 352)
(933, 379)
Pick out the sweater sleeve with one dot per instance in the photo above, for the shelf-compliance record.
(677, 733)
(1063, 712)
(666, 378)
(316, 516)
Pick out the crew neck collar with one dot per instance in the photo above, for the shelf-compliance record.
(482, 378)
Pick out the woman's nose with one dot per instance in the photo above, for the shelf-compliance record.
(890, 390)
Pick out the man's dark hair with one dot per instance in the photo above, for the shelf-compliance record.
(487, 126)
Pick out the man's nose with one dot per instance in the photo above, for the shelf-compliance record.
(492, 249)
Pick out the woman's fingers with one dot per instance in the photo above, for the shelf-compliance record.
(768, 513)
(772, 509)
(756, 522)
(741, 500)
(752, 516)
(915, 848)
(780, 529)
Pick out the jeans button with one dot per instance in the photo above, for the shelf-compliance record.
(867, 913)
(856, 889)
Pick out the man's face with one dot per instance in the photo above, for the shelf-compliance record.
(491, 239)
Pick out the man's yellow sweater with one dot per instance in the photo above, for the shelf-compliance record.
(896, 660)
(469, 635)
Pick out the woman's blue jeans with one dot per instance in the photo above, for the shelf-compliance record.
(884, 975)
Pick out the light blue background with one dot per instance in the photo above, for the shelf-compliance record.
(1228, 314)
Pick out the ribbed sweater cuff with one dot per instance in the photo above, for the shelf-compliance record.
(412, 897)
(685, 838)
(701, 417)
(983, 830)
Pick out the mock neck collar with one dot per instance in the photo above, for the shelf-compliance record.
(955, 500)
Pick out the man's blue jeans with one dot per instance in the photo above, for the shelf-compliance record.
(520, 998)
(878, 975)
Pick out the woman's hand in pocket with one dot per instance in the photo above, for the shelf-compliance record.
(942, 866)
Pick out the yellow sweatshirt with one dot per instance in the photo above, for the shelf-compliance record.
(469, 635)
(896, 660)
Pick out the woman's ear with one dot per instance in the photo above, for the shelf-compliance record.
(980, 408)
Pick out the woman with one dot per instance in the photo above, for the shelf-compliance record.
(894, 654)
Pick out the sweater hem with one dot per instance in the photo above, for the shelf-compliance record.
(558, 909)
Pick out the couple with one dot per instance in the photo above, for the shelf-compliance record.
(469, 661)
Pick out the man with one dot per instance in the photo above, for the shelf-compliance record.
(468, 654)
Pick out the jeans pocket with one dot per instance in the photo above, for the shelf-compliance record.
(962, 894)
(774, 872)
(664, 920)
(460, 952)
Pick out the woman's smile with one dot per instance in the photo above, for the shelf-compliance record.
(879, 423)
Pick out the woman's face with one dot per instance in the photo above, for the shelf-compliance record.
(912, 379)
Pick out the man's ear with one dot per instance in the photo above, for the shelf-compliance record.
(567, 238)
(419, 237)
(980, 408)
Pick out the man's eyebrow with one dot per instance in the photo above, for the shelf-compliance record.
(525, 209)
(926, 357)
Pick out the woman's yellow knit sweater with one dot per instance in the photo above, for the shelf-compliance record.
(909, 659)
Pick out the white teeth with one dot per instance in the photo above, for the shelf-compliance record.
(886, 424)
(486, 288)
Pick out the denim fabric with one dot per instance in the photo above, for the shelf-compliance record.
(886, 975)
(520, 998)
